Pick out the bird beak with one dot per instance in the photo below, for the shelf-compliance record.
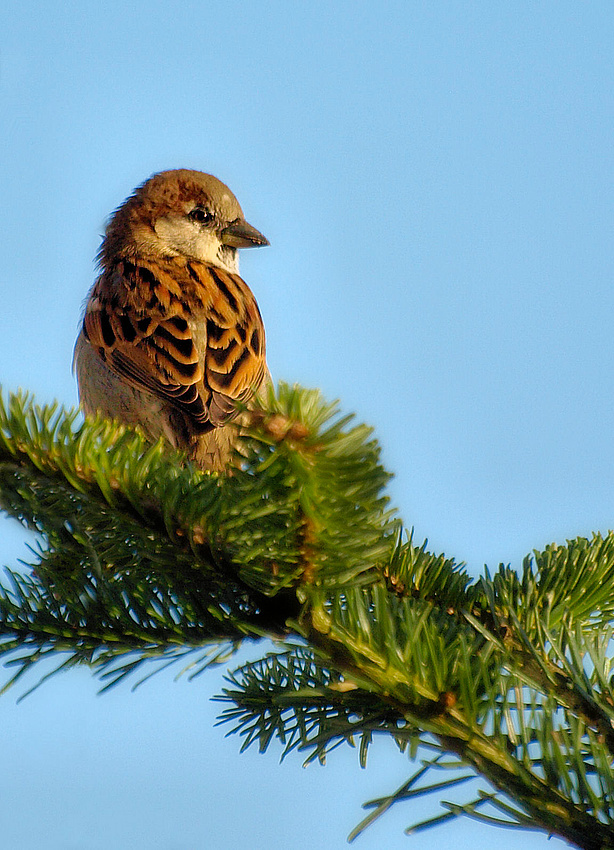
(240, 234)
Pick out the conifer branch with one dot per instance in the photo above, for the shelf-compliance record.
(142, 557)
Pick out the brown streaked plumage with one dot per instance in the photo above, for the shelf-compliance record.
(172, 337)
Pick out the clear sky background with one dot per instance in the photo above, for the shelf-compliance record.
(436, 180)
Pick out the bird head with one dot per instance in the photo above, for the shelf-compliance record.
(180, 213)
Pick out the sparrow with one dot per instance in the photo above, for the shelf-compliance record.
(172, 339)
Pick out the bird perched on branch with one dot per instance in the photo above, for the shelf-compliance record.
(172, 338)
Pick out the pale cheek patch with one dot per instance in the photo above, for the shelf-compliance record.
(184, 237)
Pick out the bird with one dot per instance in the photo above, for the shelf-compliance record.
(172, 339)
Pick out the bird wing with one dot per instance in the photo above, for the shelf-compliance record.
(186, 331)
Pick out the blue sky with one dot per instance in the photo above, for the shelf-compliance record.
(436, 181)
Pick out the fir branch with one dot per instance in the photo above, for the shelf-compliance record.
(142, 557)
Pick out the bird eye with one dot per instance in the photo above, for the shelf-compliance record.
(201, 215)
